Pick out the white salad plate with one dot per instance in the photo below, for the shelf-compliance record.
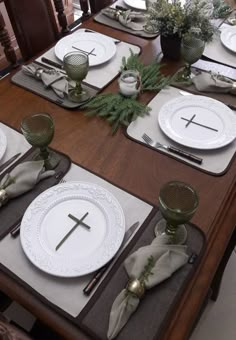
(103, 48)
(46, 222)
(198, 122)
(228, 38)
(3, 143)
(137, 4)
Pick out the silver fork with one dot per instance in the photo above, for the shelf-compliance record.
(172, 149)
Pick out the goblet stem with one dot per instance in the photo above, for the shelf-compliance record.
(171, 231)
(186, 72)
(78, 88)
(44, 153)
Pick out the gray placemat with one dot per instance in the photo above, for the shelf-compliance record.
(155, 308)
(102, 19)
(215, 162)
(37, 87)
(216, 51)
(62, 293)
(12, 212)
(100, 75)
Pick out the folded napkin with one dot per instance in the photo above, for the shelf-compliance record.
(147, 267)
(50, 78)
(22, 179)
(209, 82)
(130, 19)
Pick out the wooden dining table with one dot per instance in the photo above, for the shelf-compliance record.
(137, 169)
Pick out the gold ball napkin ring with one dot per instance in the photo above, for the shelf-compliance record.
(234, 85)
(3, 197)
(136, 287)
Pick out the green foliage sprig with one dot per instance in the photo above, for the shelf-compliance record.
(147, 270)
(191, 19)
(221, 9)
(116, 109)
(119, 110)
(151, 77)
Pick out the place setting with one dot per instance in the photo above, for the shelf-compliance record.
(195, 129)
(51, 76)
(156, 268)
(31, 168)
(80, 226)
(129, 16)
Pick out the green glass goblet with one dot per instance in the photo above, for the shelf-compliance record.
(178, 202)
(38, 130)
(191, 51)
(76, 65)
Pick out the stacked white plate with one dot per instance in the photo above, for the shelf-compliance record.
(99, 48)
(198, 122)
(228, 38)
(46, 222)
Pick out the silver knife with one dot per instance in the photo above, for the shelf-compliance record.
(9, 161)
(98, 275)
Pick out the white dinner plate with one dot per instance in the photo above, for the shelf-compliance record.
(3, 143)
(137, 4)
(46, 222)
(102, 47)
(198, 122)
(228, 38)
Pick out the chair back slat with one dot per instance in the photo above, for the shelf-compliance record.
(34, 25)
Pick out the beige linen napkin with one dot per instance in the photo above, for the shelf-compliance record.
(22, 179)
(151, 265)
(50, 78)
(130, 19)
(209, 82)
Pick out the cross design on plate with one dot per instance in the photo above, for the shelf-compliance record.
(191, 121)
(79, 221)
(88, 53)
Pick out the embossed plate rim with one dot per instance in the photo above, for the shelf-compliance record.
(215, 107)
(225, 37)
(65, 44)
(40, 252)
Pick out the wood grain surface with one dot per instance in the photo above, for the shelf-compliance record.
(137, 169)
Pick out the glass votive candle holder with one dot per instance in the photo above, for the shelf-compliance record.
(130, 83)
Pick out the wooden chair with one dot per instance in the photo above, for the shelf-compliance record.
(34, 26)
(10, 332)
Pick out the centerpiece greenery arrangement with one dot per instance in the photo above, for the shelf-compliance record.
(176, 21)
(119, 110)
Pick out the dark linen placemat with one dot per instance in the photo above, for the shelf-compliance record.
(103, 19)
(12, 212)
(37, 87)
(154, 310)
(158, 303)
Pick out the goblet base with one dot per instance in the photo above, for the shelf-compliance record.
(76, 97)
(50, 162)
(180, 235)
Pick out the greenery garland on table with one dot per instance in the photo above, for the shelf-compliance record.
(119, 110)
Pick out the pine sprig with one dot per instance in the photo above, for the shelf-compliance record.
(151, 77)
(147, 270)
(119, 110)
(116, 109)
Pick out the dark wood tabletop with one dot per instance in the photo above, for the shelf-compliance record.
(137, 169)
